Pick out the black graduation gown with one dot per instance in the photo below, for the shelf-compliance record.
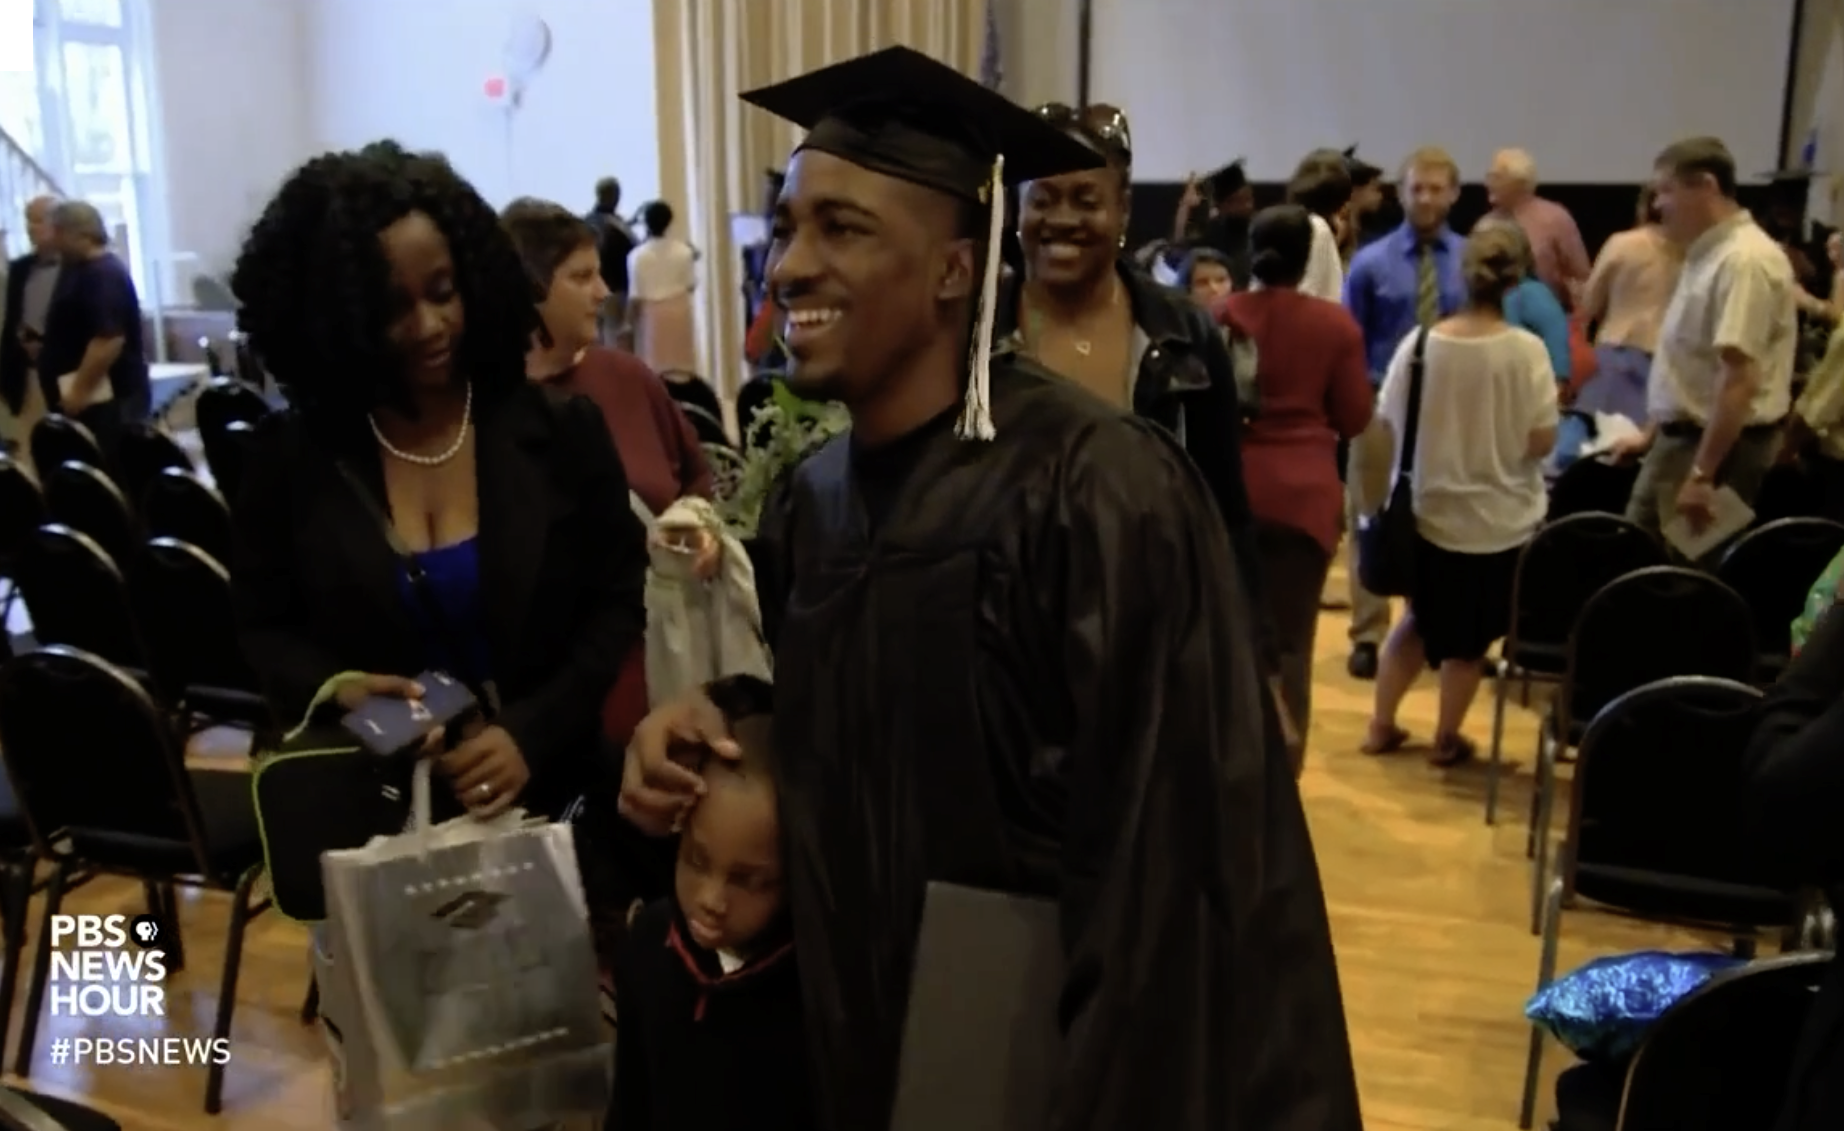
(1037, 676)
(699, 1049)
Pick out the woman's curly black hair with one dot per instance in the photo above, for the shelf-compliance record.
(315, 291)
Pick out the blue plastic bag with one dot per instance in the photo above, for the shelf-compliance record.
(1602, 1010)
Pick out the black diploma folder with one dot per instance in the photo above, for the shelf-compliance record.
(981, 1047)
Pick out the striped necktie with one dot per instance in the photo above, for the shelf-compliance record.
(1427, 288)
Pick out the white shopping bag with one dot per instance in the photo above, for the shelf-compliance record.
(457, 978)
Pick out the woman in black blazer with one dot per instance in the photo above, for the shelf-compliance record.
(1796, 793)
(380, 291)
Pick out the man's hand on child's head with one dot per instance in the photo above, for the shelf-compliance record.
(658, 780)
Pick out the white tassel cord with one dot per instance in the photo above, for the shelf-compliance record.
(976, 415)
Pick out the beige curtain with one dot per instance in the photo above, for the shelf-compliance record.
(714, 150)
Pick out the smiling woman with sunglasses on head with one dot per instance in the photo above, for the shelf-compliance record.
(1083, 310)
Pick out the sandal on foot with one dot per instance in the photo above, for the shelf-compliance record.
(1385, 740)
(1452, 750)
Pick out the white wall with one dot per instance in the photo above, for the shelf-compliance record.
(1594, 88)
(414, 70)
(231, 85)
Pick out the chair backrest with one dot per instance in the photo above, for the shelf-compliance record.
(1652, 624)
(1563, 565)
(58, 440)
(92, 758)
(1773, 567)
(1659, 790)
(225, 453)
(142, 453)
(22, 510)
(182, 506)
(75, 595)
(85, 498)
(21, 1110)
(1720, 1058)
(225, 399)
(183, 606)
(1588, 486)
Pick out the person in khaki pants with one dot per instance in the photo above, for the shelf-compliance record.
(1721, 383)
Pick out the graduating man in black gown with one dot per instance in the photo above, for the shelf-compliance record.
(1012, 652)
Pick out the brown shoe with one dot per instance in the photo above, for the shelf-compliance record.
(1385, 739)
(1452, 750)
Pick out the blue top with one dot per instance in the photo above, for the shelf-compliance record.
(454, 577)
(1383, 287)
(1532, 306)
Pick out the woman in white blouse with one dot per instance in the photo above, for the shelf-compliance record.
(1322, 186)
(1488, 420)
(662, 273)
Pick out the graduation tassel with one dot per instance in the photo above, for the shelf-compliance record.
(976, 414)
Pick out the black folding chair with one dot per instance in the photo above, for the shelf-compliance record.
(1648, 625)
(143, 452)
(182, 602)
(22, 511)
(76, 596)
(21, 1110)
(103, 782)
(1720, 1058)
(1788, 490)
(1567, 562)
(225, 454)
(1590, 486)
(180, 505)
(699, 402)
(1773, 567)
(1658, 830)
(58, 440)
(84, 498)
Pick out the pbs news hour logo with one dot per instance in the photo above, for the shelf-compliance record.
(107, 966)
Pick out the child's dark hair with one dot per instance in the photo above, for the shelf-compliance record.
(656, 218)
(1200, 255)
(747, 703)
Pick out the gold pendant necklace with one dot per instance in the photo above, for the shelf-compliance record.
(1084, 346)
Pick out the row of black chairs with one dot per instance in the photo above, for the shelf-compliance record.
(1658, 831)
(97, 783)
(1571, 626)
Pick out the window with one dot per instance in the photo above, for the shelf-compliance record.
(91, 127)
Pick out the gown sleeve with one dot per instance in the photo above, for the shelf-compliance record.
(1795, 775)
(1201, 987)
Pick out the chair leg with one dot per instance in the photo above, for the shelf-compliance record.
(15, 905)
(41, 969)
(1501, 690)
(310, 1005)
(1546, 973)
(175, 942)
(227, 989)
(1546, 801)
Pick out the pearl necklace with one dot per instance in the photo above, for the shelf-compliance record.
(437, 460)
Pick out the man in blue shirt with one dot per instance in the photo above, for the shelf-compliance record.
(1408, 278)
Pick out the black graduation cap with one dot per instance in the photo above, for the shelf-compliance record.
(905, 115)
(1230, 178)
(1362, 172)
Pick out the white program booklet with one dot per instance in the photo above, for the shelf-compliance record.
(1732, 516)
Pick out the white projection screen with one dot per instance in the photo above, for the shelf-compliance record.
(1593, 88)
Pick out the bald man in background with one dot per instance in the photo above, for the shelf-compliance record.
(31, 280)
(1562, 258)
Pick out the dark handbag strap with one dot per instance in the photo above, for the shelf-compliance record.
(1411, 426)
(484, 692)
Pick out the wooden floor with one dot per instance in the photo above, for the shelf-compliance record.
(1429, 908)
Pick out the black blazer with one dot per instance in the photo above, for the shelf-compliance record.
(563, 563)
(13, 360)
(1796, 796)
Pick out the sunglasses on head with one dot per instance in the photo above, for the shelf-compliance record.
(1099, 121)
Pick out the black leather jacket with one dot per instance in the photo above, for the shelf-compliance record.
(1187, 383)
